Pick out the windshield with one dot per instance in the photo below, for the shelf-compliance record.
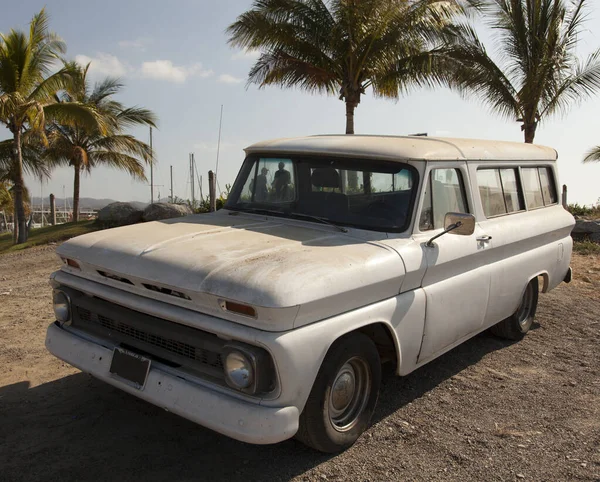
(375, 195)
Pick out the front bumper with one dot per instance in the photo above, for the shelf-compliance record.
(227, 415)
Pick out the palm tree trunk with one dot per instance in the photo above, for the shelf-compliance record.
(19, 183)
(15, 228)
(351, 104)
(529, 132)
(76, 192)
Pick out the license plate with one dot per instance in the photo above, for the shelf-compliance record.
(130, 367)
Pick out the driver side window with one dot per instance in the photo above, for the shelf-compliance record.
(444, 193)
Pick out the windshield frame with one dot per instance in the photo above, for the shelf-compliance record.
(287, 207)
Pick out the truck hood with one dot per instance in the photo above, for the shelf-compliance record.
(303, 271)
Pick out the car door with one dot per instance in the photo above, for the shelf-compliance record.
(456, 282)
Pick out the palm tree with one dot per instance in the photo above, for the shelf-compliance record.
(84, 147)
(33, 164)
(593, 155)
(26, 95)
(539, 73)
(343, 47)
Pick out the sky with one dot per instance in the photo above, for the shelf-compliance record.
(174, 59)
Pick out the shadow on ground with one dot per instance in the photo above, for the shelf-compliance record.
(78, 428)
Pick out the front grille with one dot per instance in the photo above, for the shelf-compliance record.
(115, 277)
(180, 348)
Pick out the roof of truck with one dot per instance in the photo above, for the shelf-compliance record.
(406, 147)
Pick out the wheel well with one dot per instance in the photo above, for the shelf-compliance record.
(380, 334)
(543, 281)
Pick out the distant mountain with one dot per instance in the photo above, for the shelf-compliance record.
(85, 203)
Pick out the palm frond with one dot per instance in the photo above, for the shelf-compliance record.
(593, 155)
(119, 161)
(76, 113)
(136, 116)
(583, 83)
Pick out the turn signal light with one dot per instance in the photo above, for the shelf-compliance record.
(238, 308)
(71, 262)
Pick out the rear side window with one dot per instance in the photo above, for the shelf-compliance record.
(444, 193)
(538, 184)
(548, 188)
(499, 191)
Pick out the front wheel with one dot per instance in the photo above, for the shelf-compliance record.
(344, 395)
(516, 326)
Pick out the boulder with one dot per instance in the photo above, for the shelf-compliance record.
(158, 211)
(119, 214)
(583, 226)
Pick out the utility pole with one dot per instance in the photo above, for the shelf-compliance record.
(171, 183)
(151, 170)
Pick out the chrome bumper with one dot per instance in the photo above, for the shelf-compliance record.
(229, 416)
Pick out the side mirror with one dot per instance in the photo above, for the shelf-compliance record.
(466, 226)
(456, 223)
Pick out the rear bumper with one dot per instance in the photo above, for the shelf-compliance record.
(238, 419)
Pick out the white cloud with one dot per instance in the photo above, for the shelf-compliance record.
(165, 70)
(246, 55)
(229, 79)
(104, 64)
(139, 43)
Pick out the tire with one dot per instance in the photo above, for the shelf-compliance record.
(332, 420)
(515, 327)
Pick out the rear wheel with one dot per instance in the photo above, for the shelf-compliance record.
(516, 326)
(343, 396)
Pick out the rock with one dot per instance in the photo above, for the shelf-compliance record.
(520, 476)
(158, 211)
(586, 279)
(119, 214)
(586, 227)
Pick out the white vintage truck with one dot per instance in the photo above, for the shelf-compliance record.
(271, 317)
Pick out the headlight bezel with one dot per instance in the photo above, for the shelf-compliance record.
(64, 319)
(261, 368)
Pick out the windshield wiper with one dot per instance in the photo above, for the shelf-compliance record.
(258, 211)
(289, 213)
(322, 220)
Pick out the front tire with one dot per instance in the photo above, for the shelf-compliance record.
(344, 395)
(515, 327)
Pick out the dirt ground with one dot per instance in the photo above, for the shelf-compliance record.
(487, 410)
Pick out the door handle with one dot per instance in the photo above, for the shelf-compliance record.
(484, 238)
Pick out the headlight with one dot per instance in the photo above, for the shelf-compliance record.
(239, 371)
(62, 307)
(248, 368)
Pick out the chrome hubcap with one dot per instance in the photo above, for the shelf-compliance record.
(349, 395)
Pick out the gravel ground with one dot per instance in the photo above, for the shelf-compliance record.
(487, 410)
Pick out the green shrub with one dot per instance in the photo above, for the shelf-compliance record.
(586, 247)
(577, 210)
